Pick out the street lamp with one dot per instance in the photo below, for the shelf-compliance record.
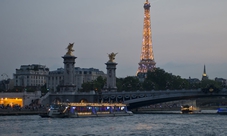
(92, 85)
(5, 81)
(129, 86)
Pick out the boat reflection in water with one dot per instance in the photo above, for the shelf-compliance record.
(75, 110)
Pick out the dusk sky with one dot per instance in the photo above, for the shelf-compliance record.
(186, 34)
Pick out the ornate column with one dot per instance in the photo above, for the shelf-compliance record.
(111, 73)
(69, 71)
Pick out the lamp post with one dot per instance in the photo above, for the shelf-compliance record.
(92, 85)
(5, 81)
(168, 85)
(129, 87)
(183, 85)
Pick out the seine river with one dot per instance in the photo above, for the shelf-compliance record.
(136, 125)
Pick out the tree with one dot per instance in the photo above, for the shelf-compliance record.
(95, 85)
(44, 89)
(148, 85)
(86, 87)
(162, 80)
(128, 84)
(210, 86)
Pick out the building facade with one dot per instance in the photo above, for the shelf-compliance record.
(81, 76)
(222, 81)
(31, 75)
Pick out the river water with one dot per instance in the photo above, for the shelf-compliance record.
(136, 125)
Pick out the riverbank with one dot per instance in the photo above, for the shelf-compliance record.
(174, 112)
(15, 113)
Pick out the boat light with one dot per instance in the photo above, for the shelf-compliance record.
(122, 108)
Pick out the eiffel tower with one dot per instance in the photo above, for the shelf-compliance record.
(147, 62)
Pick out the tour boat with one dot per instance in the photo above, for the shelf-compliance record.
(75, 110)
(186, 109)
(222, 111)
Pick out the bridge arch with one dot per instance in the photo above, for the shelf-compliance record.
(167, 97)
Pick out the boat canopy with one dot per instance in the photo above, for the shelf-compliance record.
(94, 104)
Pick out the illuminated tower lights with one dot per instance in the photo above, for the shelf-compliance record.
(147, 62)
(204, 76)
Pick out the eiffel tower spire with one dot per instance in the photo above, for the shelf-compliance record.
(204, 70)
(204, 76)
(147, 62)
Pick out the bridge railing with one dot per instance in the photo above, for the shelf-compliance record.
(175, 94)
(151, 91)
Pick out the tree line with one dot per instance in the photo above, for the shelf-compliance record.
(155, 80)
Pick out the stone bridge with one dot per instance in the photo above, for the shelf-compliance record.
(144, 98)
(137, 99)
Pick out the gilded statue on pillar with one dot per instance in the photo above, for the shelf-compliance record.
(112, 57)
(70, 49)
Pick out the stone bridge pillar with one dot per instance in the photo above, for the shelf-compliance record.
(111, 76)
(69, 71)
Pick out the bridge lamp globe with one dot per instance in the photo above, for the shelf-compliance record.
(211, 89)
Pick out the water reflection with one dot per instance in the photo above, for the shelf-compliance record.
(139, 124)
